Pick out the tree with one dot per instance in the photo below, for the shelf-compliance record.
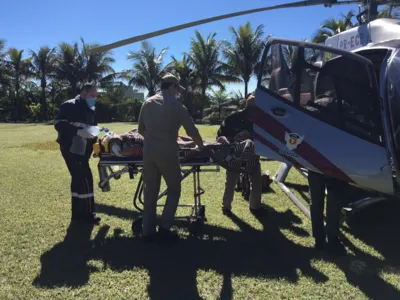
(97, 66)
(332, 26)
(18, 69)
(187, 78)
(218, 98)
(77, 66)
(389, 11)
(4, 73)
(70, 66)
(243, 54)
(204, 59)
(43, 68)
(238, 99)
(147, 69)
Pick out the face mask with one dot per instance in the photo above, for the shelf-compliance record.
(91, 102)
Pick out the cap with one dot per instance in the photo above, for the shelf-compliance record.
(169, 78)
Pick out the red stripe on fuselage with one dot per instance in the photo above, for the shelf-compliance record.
(276, 149)
(305, 150)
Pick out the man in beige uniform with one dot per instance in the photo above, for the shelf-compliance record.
(160, 118)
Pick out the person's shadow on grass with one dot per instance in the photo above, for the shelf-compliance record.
(66, 264)
(378, 227)
(173, 270)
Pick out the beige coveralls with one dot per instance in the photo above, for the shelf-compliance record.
(160, 118)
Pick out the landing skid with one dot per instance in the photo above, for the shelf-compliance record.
(348, 211)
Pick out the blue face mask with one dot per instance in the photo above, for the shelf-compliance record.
(91, 102)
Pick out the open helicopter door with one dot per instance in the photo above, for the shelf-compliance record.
(390, 93)
(318, 108)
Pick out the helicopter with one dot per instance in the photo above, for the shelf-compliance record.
(331, 108)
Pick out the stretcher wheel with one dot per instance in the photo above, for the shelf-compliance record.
(202, 212)
(116, 177)
(196, 227)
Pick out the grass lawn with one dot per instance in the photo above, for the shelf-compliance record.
(42, 256)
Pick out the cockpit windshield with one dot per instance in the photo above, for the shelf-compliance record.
(336, 88)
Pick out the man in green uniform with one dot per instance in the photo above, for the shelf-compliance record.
(235, 123)
(160, 119)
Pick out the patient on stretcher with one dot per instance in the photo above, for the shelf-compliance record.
(130, 144)
(238, 156)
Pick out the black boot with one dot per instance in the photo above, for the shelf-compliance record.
(320, 243)
(336, 247)
(260, 212)
(92, 218)
(86, 218)
(167, 236)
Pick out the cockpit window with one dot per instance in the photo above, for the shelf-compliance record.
(335, 89)
(276, 73)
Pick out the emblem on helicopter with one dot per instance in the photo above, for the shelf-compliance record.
(293, 140)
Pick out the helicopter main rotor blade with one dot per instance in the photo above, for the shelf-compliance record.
(213, 19)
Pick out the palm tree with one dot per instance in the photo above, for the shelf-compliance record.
(147, 70)
(204, 59)
(4, 78)
(58, 92)
(389, 11)
(186, 75)
(43, 68)
(183, 71)
(238, 99)
(244, 53)
(218, 98)
(332, 26)
(98, 65)
(70, 67)
(19, 71)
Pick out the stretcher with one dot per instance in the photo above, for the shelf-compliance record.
(134, 167)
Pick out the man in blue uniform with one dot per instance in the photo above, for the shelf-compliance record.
(235, 123)
(76, 146)
(335, 199)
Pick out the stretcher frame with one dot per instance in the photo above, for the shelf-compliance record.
(134, 166)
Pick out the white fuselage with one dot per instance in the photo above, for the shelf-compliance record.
(377, 31)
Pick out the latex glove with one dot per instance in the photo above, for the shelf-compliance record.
(84, 134)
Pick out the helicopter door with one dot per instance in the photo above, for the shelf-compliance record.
(390, 91)
(318, 108)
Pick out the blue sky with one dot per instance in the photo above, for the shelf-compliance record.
(30, 24)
